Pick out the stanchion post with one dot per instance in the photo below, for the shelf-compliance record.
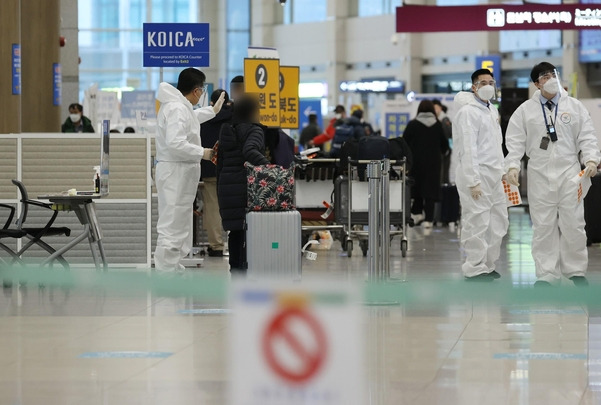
(374, 174)
(385, 219)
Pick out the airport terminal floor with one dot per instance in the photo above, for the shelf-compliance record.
(464, 352)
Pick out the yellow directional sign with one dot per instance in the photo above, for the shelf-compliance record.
(262, 77)
(289, 79)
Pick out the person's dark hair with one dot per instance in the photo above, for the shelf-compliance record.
(312, 117)
(215, 96)
(480, 72)
(245, 108)
(189, 79)
(437, 102)
(426, 106)
(540, 68)
(238, 79)
(129, 130)
(77, 106)
(339, 108)
(358, 114)
(114, 131)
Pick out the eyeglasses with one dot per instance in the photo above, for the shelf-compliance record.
(203, 89)
(485, 82)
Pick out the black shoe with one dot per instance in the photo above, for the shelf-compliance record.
(215, 253)
(542, 283)
(579, 281)
(482, 277)
(495, 275)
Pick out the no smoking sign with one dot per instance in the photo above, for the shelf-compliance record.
(295, 345)
(298, 345)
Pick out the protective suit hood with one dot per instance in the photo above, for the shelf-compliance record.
(463, 98)
(466, 97)
(169, 94)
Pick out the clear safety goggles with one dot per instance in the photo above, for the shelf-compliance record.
(546, 76)
(491, 82)
(483, 83)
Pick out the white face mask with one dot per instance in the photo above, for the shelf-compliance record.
(486, 92)
(75, 117)
(551, 86)
(338, 116)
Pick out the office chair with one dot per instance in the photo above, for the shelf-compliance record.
(35, 234)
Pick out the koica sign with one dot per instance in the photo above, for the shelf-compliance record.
(176, 45)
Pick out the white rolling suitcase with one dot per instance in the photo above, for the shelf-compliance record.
(273, 245)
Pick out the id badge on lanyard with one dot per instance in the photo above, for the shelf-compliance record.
(551, 133)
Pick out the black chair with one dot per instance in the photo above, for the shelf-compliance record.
(7, 232)
(35, 234)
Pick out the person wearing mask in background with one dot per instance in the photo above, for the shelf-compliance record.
(178, 155)
(211, 220)
(310, 131)
(351, 128)
(243, 141)
(330, 131)
(77, 122)
(441, 114)
(236, 88)
(479, 173)
(552, 128)
(427, 142)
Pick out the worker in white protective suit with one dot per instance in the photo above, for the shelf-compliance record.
(178, 155)
(477, 145)
(552, 129)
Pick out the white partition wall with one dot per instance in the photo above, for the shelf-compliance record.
(52, 163)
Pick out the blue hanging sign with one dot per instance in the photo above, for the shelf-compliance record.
(16, 66)
(56, 84)
(176, 45)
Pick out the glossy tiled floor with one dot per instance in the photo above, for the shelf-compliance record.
(53, 341)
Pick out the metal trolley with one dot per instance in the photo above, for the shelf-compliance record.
(314, 183)
(351, 203)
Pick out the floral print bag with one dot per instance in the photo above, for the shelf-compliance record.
(270, 187)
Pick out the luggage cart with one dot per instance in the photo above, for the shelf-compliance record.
(314, 182)
(351, 205)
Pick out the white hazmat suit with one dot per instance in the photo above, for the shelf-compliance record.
(178, 155)
(477, 147)
(558, 239)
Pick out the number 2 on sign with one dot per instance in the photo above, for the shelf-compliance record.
(261, 76)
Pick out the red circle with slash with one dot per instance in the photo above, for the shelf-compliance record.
(308, 357)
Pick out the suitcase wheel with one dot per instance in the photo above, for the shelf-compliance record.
(349, 248)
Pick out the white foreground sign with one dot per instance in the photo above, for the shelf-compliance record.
(295, 344)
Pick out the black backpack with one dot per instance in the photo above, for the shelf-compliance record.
(343, 133)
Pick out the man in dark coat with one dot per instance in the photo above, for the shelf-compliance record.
(211, 219)
(244, 141)
(77, 122)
